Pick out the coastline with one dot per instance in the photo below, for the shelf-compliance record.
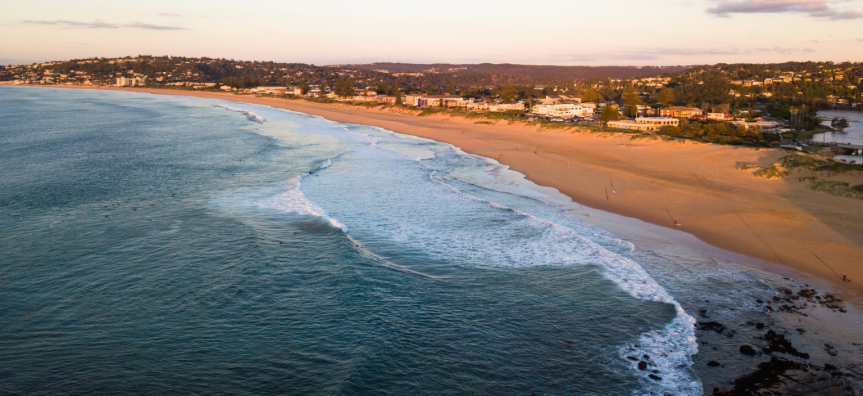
(699, 186)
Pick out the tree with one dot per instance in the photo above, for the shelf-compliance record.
(305, 88)
(665, 96)
(609, 113)
(839, 124)
(669, 130)
(508, 93)
(630, 101)
(589, 95)
(397, 93)
(344, 87)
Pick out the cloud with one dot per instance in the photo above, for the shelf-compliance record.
(98, 24)
(141, 25)
(786, 50)
(643, 54)
(814, 8)
(168, 14)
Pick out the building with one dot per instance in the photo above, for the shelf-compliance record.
(650, 124)
(385, 99)
(719, 116)
(549, 99)
(435, 100)
(680, 112)
(131, 82)
(506, 107)
(763, 126)
(270, 90)
(561, 110)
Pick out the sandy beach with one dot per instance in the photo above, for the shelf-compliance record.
(710, 191)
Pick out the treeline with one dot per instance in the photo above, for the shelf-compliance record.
(694, 129)
(541, 73)
(240, 82)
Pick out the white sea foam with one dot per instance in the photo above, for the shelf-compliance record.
(250, 115)
(395, 196)
(448, 224)
(292, 200)
(286, 197)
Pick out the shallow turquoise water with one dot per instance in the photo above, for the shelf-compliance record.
(162, 245)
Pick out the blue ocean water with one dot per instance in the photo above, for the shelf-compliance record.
(156, 244)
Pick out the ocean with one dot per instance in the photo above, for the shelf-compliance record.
(162, 245)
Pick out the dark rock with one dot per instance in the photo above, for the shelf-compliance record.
(789, 291)
(642, 365)
(759, 325)
(645, 357)
(656, 377)
(713, 363)
(715, 326)
(747, 350)
(722, 391)
(633, 358)
(778, 343)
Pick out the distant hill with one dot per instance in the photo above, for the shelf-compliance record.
(534, 71)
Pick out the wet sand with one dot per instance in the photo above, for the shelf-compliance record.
(692, 187)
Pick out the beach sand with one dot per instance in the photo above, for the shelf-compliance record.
(701, 187)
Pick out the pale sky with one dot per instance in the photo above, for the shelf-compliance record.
(599, 32)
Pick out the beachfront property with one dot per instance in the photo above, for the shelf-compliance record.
(370, 98)
(763, 126)
(562, 110)
(276, 90)
(501, 107)
(650, 124)
(435, 100)
(131, 81)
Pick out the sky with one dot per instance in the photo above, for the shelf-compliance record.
(548, 32)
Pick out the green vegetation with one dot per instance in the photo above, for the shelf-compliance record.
(817, 164)
(837, 188)
(344, 87)
(771, 172)
(609, 113)
(839, 124)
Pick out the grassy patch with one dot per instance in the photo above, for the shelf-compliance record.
(771, 172)
(837, 188)
(818, 165)
(484, 122)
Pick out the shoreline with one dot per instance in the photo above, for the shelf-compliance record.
(701, 187)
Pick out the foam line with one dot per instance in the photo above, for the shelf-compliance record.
(250, 115)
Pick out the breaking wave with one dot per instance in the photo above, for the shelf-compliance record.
(250, 115)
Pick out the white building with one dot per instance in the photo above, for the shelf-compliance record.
(650, 124)
(763, 126)
(131, 82)
(562, 110)
(506, 107)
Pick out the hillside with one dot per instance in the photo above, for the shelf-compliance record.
(540, 72)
